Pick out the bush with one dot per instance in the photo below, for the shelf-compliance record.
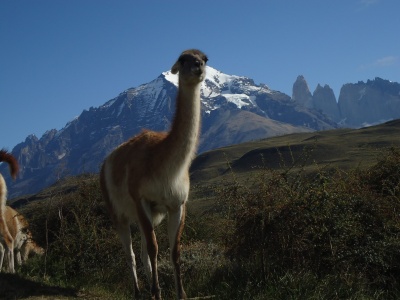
(344, 225)
(287, 234)
(81, 245)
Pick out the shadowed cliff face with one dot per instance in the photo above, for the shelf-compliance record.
(324, 99)
(359, 104)
(373, 102)
(301, 93)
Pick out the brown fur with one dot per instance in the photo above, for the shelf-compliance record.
(12, 162)
(18, 227)
(4, 231)
(148, 176)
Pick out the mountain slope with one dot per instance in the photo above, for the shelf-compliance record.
(339, 148)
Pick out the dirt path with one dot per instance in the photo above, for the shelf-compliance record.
(14, 287)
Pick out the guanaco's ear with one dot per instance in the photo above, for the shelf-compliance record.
(175, 67)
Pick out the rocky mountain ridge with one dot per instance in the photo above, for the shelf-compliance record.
(234, 110)
(360, 104)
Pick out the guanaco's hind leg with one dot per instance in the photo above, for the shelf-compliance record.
(176, 222)
(144, 255)
(10, 256)
(9, 241)
(149, 237)
(124, 232)
(2, 251)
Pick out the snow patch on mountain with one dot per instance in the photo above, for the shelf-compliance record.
(173, 78)
(121, 107)
(362, 93)
(108, 103)
(220, 79)
(239, 100)
(238, 90)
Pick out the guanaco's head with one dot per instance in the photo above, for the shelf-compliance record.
(191, 66)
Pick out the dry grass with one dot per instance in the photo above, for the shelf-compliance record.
(298, 230)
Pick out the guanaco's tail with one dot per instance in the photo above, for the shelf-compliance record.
(12, 162)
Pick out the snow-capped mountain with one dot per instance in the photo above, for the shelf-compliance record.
(234, 110)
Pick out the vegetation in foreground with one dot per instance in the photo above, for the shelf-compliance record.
(283, 234)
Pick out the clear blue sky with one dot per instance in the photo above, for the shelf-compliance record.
(58, 57)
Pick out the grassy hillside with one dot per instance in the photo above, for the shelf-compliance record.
(334, 149)
(341, 148)
(303, 216)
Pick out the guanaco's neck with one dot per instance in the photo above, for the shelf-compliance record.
(181, 142)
